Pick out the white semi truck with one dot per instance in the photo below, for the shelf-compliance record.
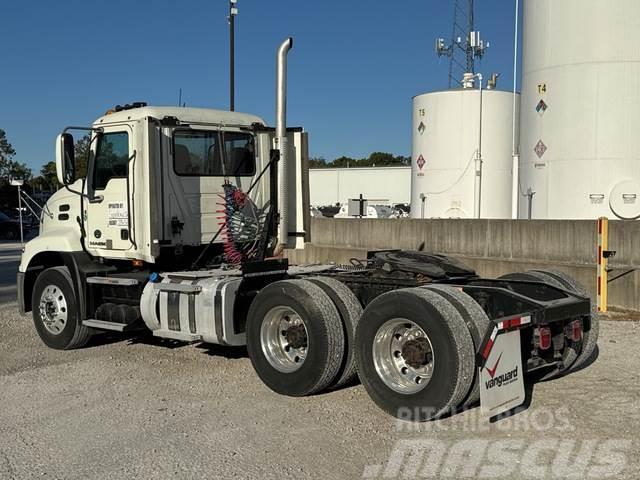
(180, 226)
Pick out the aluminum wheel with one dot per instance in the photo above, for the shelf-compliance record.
(283, 336)
(403, 356)
(53, 309)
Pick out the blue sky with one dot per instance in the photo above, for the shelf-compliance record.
(353, 70)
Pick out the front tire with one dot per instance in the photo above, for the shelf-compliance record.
(55, 311)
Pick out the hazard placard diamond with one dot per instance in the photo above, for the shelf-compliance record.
(421, 161)
(540, 148)
(421, 128)
(541, 107)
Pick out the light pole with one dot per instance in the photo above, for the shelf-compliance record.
(233, 11)
(477, 186)
(18, 182)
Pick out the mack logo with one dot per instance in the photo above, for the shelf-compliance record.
(503, 379)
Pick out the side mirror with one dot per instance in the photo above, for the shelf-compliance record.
(65, 159)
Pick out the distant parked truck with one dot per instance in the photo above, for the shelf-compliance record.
(179, 228)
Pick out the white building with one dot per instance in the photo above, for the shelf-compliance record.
(379, 185)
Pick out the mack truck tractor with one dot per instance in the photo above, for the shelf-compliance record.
(181, 226)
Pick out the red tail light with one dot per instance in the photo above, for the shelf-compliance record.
(545, 337)
(575, 329)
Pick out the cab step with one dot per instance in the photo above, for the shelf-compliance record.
(125, 282)
(175, 335)
(112, 326)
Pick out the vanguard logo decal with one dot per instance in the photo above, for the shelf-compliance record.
(492, 371)
(503, 379)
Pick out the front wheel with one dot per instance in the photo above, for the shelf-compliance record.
(55, 311)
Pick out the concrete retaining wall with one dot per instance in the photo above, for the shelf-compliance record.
(492, 247)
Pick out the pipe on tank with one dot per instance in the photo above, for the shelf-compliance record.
(515, 156)
(477, 186)
(281, 137)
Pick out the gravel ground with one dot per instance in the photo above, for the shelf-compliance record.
(138, 407)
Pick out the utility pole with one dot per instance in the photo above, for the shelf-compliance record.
(233, 11)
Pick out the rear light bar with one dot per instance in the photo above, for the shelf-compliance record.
(504, 325)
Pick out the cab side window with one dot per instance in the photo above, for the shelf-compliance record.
(112, 158)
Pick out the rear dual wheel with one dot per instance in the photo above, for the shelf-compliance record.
(477, 323)
(295, 338)
(415, 354)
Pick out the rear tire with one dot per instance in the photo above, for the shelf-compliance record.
(294, 337)
(589, 337)
(55, 311)
(477, 322)
(350, 311)
(406, 376)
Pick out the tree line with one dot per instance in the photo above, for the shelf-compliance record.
(45, 181)
(376, 159)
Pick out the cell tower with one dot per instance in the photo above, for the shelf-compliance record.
(466, 44)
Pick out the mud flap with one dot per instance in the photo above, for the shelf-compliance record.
(501, 377)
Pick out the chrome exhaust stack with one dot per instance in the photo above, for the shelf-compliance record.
(281, 138)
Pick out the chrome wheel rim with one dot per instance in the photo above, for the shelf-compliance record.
(283, 337)
(403, 356)
(53, 309)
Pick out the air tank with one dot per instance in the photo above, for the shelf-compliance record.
(446, 134)
(580, 115)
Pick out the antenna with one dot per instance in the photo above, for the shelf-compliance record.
(466, 44)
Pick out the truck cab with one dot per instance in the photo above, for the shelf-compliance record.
(153, 193)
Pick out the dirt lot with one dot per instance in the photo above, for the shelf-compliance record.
(140, 408)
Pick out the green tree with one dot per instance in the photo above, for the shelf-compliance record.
(317, 162)
(48, 179)
(344, 162)
(380, 159)
(6, 149)
(82, 150)
(9, 168)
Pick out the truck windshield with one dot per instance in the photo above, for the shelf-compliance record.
(201, 153)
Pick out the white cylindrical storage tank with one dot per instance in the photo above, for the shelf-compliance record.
(580, 146)
(446, 127)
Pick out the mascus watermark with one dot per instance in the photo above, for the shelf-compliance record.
(483, 458)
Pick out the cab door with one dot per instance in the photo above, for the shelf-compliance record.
(108, 215)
